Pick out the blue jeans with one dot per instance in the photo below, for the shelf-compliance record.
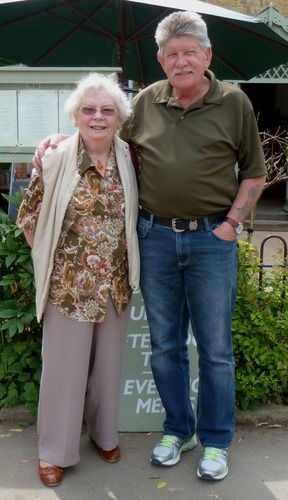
(191, 275)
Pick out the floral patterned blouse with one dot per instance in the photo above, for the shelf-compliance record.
(90, 260)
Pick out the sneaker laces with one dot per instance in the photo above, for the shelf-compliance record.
(168, 441)
(212, 453)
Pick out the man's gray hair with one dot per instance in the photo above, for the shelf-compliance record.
(98, 82)
(179, 24)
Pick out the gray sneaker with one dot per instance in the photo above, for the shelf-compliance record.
(214, 464)
(168, 451)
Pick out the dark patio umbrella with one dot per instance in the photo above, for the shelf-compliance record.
(121, 33)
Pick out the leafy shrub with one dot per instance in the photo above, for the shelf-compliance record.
(260, 332)
(20, 358)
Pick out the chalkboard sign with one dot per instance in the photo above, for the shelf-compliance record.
(141, 409)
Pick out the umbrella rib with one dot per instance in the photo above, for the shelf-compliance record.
(228, 65)
(89, 18)
(77, 27)
(134, 37)
(30, 16)
(138, 51)
(120, 16)
(51, 11)
(53, 48)
(20, 19)
(121, 40)
(80, 27)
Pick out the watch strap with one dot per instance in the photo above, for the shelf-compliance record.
(231, 221)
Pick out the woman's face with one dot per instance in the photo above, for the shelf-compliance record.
(98, 117)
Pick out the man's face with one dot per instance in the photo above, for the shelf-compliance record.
(184, 61)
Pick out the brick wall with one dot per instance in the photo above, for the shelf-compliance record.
(252, 7)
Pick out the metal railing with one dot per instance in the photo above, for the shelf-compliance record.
(263, 266)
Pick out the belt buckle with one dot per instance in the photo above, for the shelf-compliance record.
(173, 224)
(193, 224)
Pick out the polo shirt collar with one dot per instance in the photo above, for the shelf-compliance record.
(214, 94)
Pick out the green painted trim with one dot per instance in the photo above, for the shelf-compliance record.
(261, 80)
(275, 20)
(16, 155)
(43, 75)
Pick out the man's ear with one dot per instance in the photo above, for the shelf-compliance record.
(160, 58)
(208, 54)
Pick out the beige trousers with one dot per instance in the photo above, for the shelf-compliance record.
(74, 354)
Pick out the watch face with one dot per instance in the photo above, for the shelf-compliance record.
(239, 228)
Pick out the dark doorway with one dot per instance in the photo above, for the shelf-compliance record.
(270, 103)
(263, 98)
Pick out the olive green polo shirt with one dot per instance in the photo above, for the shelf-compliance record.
(188, 156)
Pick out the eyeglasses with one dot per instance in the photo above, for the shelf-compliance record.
(105, 111)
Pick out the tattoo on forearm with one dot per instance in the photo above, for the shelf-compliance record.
(253, 195)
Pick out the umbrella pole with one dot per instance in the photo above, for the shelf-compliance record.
(122, 60)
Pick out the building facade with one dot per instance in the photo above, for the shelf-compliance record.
(252, 7)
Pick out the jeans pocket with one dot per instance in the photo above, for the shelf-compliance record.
(143, 227)
(214, 226)
(221, 239)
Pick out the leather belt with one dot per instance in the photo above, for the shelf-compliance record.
(181, 225)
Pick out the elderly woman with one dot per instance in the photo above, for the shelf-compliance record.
(79, 216)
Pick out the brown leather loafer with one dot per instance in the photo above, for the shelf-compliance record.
(51, 476)
(111, 456)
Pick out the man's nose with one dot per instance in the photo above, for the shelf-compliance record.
(181, 60)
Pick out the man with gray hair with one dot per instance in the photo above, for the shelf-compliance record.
(191, 130)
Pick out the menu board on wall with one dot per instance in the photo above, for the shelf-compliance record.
(38, 115)
(65, 124)
(8, 121)
(141, 409)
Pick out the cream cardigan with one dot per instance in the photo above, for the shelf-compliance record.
(60, 177)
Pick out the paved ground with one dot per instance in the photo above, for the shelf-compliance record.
(258, 470)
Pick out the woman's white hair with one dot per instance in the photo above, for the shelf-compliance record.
(95, 81)
(180, 24)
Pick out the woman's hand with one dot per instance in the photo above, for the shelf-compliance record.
(29, 236)
(48, 142)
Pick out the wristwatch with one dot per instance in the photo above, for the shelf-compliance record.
(238, 226)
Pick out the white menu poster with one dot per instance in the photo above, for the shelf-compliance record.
(38, 115)
(8, 118)
(65, 123)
